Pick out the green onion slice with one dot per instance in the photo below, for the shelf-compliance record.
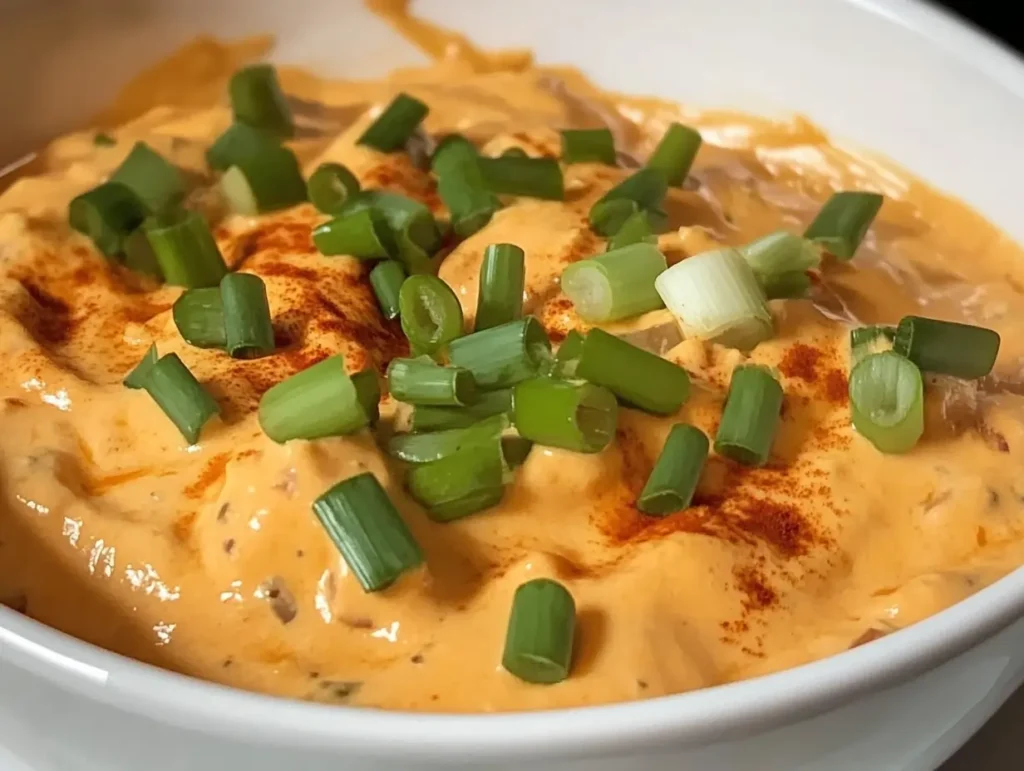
(369, 532)
(638, 377)
(199, 316)
(426, 418)
(386, 278)
(107, 214)
(139, 256)
(320, 401)
(430, 447)
(635, 230)
(395, 124)
(185, 249)
(947, 347)
(751, 416)
(413, 228)
(182, 398)
(450, 153)
(887, 401)
(644, 190)
(716, 296)
(137, 377)
(780, 262)
(431, 313)
(531, 177)
(331, 186)
(470, 202)
(843, 222)
(615, 285)
(557, 413)
(362, 233)
(872, 339)
(541, 627)
(248, 330)
(567, 358)
(257, 100)
(102, 139)
(502, 279)
(264, 181)
(461, 185)
(674, 154)
(673, 481)
(514, 152)
(158, 183)
(463, 483)
(237, 144)
(505, 355)
(421, 381)
(588, 146)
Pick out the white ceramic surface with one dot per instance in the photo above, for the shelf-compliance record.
(893, 74)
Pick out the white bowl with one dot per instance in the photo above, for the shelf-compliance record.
(893, 75)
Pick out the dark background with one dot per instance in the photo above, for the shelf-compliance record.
(993, 16)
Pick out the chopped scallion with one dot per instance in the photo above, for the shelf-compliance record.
(137, 377)
(502, 278)
(257, 100)
(947, 347)
(531, 177)
(186, 251)
(716, 296)
(868, 340)
(780, 262)
(463, 483)
(588, 146)
(386, 278)
(504, 355)
(393, 127)
(265, 181)
(182, 398)
(369, 532)
(430, 447)
(107, 214)
(330, 187)
(751, 416)
(158, 183)
(673, 481)
(638, 377)
(320, 401)
(615, 285)
(557, 413)
(361, 233)
(541, 627)
(499, 402)
(674, 154)
(431, 313)
(644, 190)
(249, 333)
(422, 381)
(843, 222)
(199, 316)
(887, 401)
(635, 230)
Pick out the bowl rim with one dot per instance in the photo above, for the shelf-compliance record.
(695, 717)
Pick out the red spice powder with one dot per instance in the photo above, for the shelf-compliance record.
(758, 593)
(836, 387)
(801, 361)
(214, 470)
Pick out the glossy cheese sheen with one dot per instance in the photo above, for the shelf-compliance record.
(208, 559)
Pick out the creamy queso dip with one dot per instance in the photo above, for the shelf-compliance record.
(207, 559)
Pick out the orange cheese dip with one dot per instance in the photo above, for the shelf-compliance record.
(208, 560)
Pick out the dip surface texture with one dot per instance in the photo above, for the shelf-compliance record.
(208, 560)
